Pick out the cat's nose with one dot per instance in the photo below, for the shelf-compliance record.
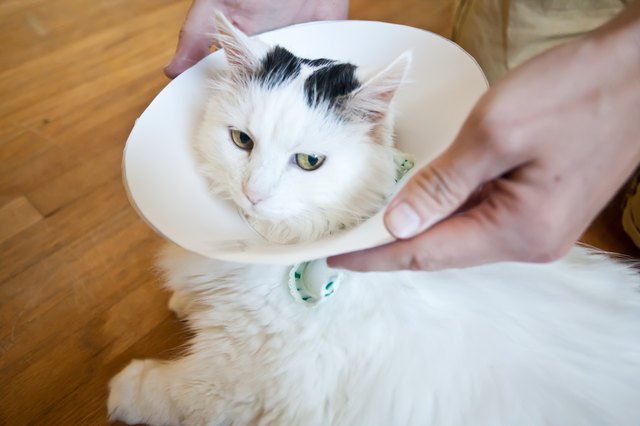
(253, 198)
(253, 195)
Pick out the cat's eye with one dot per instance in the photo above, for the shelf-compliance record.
(309, 162)
(241, 139)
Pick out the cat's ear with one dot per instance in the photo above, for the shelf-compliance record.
(241, 52)
(373, 99)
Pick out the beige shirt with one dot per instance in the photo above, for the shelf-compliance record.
(502, 34)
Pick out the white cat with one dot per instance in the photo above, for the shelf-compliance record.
(304, 148)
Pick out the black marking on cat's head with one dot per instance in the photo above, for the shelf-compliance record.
(278, 67)
(330, 84)
(316, 63)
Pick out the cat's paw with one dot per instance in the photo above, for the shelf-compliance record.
(126, 402)
(179, 304)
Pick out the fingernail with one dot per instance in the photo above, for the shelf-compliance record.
(169, 69)
(403, 221)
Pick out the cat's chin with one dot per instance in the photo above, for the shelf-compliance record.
(279, 228)
(276, 232)
(284, 230)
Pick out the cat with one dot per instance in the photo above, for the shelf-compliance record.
(291, 187)
(304, 148)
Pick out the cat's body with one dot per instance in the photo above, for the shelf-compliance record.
(507, 344)
(511, 344)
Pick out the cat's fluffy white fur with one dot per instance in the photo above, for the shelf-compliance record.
(504, 344)
(508, 344)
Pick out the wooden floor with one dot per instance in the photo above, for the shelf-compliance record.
(78, 297)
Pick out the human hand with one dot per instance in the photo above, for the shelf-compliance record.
(251, 16)
(538, 157)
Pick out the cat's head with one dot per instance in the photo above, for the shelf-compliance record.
(303, 147)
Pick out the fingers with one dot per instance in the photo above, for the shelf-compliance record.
(432, 194)
(492, 231)
(191, 48)
(461, 241)
(196, 38)
(512, 223)
(252, 16)
(441, 188)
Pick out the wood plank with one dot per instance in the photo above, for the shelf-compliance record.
(35, 27)
(98, 143)
(17, 216)
(74, 358)
(18, 149)
(79, 181)
(170, 333)
(101, 116)
(126, 51)
(68, 104)
(85, 217)
(30, 161)
(64, 293)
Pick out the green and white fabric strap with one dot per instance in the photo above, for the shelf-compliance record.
(312, 283)
(404, 163)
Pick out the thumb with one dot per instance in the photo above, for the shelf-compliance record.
(196, 38)
(438, 190)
